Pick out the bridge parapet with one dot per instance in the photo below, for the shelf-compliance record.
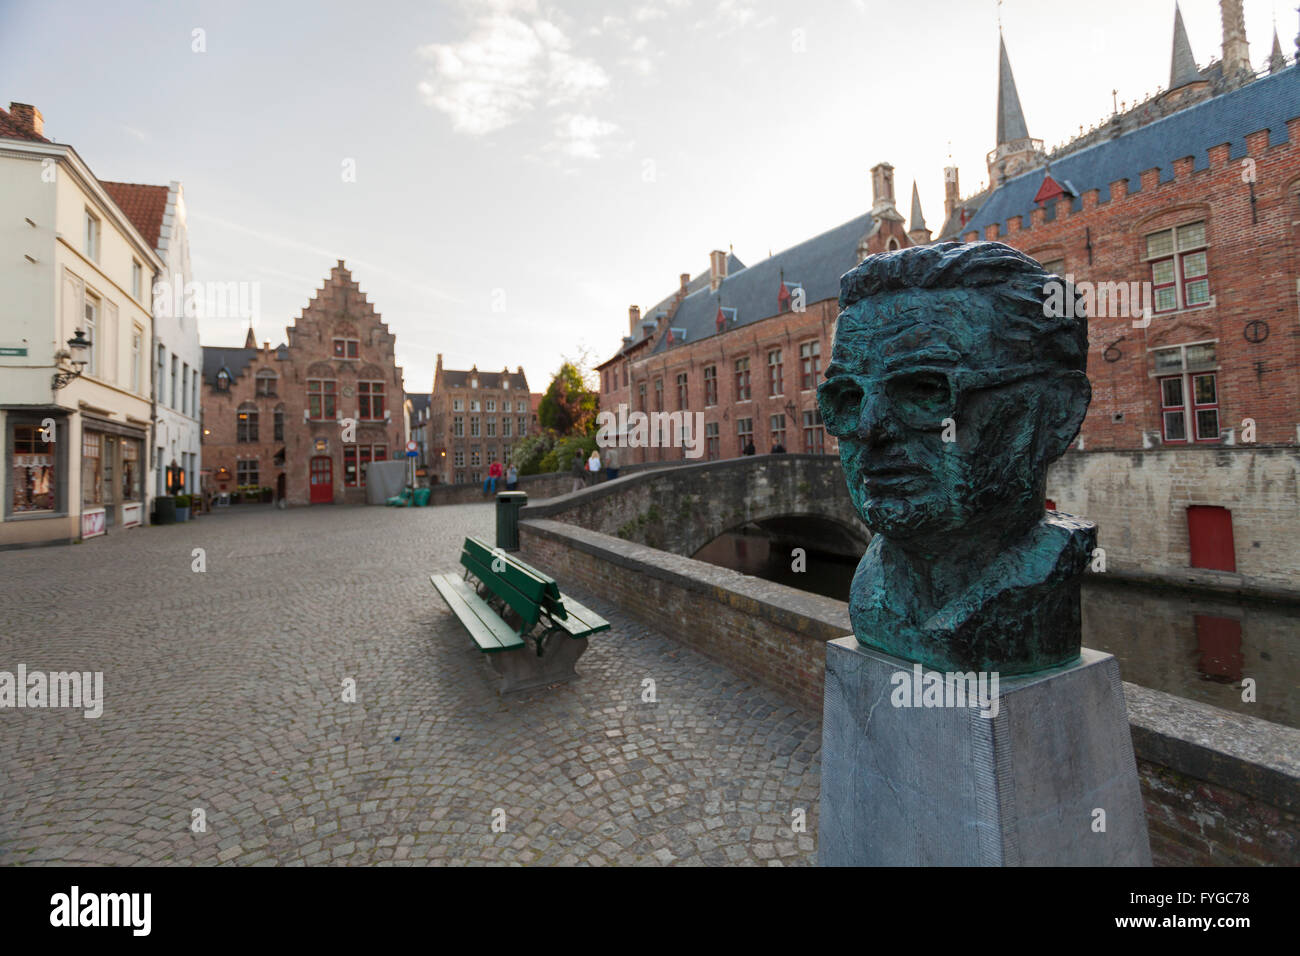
(683, 507)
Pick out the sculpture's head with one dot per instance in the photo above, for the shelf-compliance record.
(955, 378)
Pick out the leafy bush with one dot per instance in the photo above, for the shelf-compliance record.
(528, 454)
(560, 457)
(182, 501)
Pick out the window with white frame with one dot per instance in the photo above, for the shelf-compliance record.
(1179, 267)
(137, 338)
(1187, 376)
(137, 279)
(92, 322)
(458, 404)
(92, 236)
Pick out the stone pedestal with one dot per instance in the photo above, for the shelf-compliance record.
(522, 669)
(944, 786)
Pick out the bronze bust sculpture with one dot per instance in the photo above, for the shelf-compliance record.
(955, 379)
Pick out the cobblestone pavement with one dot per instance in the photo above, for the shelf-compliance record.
(223, 693)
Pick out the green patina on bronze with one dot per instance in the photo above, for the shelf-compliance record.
(966, 570)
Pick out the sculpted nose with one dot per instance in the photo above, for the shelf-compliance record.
(875, 423)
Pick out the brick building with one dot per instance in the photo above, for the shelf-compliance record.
(746, 345)
(277, 417)
(1189, 204)
(475, 418)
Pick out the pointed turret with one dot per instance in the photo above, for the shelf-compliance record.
(1276, 60)
(917, 230)
(1015, 151)
(1182, 67)
(250, 340)
(1011, 118)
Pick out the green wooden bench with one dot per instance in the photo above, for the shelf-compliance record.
(533, 635)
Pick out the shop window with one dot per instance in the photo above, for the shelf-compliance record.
(92, 471)
(34, 470)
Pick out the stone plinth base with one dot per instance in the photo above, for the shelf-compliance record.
(944, 786)
(522, 669)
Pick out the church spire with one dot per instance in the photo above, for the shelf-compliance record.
(1011, 119)
(1276, 61)
(1182, 67)
(917, 230)
(250, 342)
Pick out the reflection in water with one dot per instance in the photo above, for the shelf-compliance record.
(1201, 648)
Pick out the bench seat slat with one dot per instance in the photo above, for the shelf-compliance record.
(489, 632)
(580, 620)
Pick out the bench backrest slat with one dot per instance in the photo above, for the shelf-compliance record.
(504, 586)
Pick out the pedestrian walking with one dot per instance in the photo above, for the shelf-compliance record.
(578, 470)
(593, 466)
(611, 464)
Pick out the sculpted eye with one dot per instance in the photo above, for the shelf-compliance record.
(921, 389)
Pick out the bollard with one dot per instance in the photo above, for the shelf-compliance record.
(508, 505)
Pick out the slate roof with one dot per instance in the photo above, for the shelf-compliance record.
(11, 130)
(235, 361)
(816, 264)
(1182, 65)
(143, 205)
(1265, 104)
(419, 401)
(454, 379)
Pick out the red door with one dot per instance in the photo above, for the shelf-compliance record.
(322, 480)
(1219, 641)
(1209, 534)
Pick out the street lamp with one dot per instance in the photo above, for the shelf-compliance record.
(79, 354)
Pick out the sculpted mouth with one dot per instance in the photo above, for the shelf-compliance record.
(891, 475)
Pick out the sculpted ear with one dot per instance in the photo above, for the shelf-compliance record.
(1065, 406)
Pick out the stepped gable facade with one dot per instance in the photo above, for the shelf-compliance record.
(305, 418)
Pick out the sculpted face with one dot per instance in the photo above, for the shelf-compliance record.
(911, 368)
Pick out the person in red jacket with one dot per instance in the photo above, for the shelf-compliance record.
(490, 485)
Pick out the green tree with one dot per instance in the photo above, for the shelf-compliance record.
(560, 457)
(569, 407)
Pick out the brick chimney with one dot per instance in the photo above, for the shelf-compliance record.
(882, 193)
(633, 318)
(717, 268)
(27, 118)
(951, 192)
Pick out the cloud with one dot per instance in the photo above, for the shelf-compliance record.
(506, 68)
(580, 136)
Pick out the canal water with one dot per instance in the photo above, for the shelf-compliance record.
(1185, 644)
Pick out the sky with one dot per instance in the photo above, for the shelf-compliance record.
(505, 177)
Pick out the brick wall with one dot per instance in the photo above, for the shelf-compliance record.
(1139, 500)
(1219, 788)
(1253, 266)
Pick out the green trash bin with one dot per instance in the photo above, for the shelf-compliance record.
(422, 497)
(508, 505)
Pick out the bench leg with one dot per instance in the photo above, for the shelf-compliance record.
(522, 669)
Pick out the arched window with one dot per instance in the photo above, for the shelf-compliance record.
(893, 244)
(246, 423)
(266, 380)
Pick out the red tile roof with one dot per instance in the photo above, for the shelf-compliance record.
(10, 129)
(143, 205)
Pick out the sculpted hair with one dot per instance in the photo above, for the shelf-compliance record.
(1018, 287)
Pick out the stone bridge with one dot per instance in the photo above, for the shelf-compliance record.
(682, 507)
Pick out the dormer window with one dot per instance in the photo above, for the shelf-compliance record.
(223, 381)
(473, 383)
